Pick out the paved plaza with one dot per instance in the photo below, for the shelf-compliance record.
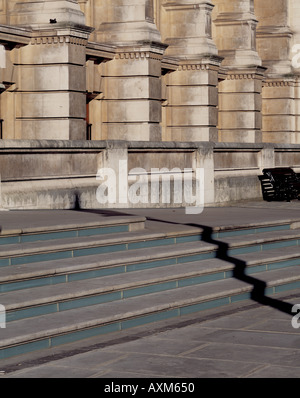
(248, 341)
(244, 340)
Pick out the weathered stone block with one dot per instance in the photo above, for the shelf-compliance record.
(47, 129)
(50, 105)
(240, 120)
(278, 123)
(278, 106)
(131, 131)
(197, 115)
(142, 87)
(190, 134)
(240, 136)
(192, 77)
(53, 77)
(132, 111)
(240, 102)
(193, 95)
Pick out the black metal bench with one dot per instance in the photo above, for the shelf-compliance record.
(280, 183)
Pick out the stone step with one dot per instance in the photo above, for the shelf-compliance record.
(67, 270)
(247, 229)
(26, 276)
(154, 234)
(261, 241)
(51, 330)
(39, 301)
(74, 287)
(41, 243)
(27, 253)
(39, 225)
(76, 294)
(22, 227)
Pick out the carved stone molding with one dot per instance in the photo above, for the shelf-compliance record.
(265, 32)
(138, 55)
(177, 6)
(194, 67)
(59, 40)
(279, 83)
(14, 37)
(204, 63)
(242, 76)
(147, 51)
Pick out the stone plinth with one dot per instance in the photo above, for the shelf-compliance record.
(131, 105)
(131, 108)
(234, 31)
(191, 91)
(50, 98)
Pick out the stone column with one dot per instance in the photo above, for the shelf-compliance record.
(131, 107)
(294, 23)
(11, 38)
(8, 77)
(51, 94)
(274, 44)
(192, 94)
(240, 93)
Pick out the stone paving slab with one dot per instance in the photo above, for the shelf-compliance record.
(43, 220)
(218, 218)
(241, 214)
(251, 341)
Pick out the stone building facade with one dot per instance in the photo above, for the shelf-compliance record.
(180, 84)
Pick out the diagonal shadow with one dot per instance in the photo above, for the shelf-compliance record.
(258, 293)
(103, 212)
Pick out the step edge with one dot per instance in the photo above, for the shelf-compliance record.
(93, 291)
(242, 288)
(22, 249)
(98, 241)
(133, 259)
(9, 342)
(122, 220)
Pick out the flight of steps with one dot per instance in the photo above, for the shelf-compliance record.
(64, 285)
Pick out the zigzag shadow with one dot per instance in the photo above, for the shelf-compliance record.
(258, 293)
(103, 212)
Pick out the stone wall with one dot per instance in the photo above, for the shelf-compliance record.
(150, 70)
(186, 84)
(55, 174)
